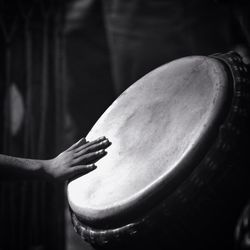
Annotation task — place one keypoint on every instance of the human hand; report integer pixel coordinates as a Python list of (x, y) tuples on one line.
[(77, 160)]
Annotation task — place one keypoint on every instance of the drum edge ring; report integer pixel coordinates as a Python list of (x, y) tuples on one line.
[(229, 133)]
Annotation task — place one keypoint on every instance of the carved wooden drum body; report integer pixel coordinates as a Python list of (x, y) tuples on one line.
[(175, 172)]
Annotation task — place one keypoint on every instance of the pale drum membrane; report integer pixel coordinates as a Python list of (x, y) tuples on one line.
[(155, 126)]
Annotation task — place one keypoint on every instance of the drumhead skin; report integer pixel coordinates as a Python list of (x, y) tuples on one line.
[(160, 128)]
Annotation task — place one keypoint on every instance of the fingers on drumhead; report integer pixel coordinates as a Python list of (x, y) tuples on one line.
[(93, 147), (93, 156), (80, 170), (84, 169), (98, 140)]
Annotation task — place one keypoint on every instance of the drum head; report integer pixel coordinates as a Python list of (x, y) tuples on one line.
[(160, 128)]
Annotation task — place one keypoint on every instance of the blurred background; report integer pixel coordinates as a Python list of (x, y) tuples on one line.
[(63, 62)]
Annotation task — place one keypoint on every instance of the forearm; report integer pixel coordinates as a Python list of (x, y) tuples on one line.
[(10, 165), (77, 160)]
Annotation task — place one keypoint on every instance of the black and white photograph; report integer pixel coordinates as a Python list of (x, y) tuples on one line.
[(124, 124)]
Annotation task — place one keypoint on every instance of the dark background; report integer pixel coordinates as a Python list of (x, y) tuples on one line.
[(63, 63)]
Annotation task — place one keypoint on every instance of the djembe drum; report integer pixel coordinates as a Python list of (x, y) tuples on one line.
[(176, 174)]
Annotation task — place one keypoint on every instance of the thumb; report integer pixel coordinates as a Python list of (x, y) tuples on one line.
[(78, 143)]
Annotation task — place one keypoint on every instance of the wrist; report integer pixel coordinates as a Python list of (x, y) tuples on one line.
[(44, 167)]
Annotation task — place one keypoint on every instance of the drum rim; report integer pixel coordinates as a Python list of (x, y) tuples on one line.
[(102, 237), (192, 157)]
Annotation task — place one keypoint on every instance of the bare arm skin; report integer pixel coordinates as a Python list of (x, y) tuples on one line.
[(77, 160)]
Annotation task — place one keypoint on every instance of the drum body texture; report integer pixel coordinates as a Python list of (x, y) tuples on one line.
[(176, 173), (242, 230)]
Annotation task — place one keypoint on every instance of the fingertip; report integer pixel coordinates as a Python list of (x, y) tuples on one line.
[(101, 138), (101, 152), (105, 143), (78, 143), (91, 166), (83, 140), (104, 153)]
